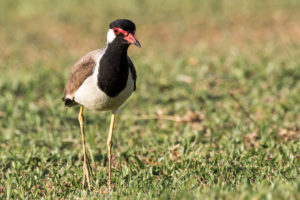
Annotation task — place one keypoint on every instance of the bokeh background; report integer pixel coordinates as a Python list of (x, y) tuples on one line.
[(215, 114)]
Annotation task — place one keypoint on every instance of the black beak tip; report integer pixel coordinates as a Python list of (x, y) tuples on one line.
[(137, 43)]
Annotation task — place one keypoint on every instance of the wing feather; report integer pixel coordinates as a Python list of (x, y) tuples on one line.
[(80, 72), (133, 72)]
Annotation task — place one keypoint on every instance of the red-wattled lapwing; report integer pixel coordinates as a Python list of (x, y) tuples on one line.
[(102, 80)]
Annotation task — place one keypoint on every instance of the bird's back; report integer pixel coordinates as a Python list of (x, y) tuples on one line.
[(82, 69)]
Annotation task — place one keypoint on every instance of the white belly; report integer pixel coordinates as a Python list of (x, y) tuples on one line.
[(90, 96)]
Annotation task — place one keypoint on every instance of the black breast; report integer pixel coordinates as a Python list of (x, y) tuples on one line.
[(114, 69)]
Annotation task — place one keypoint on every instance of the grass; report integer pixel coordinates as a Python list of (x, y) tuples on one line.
[(215, 114)]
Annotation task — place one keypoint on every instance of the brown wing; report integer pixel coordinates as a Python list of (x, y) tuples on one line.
[(133, 72), (80, 72)]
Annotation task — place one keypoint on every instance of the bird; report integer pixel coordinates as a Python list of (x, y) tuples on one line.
[(101, 81)]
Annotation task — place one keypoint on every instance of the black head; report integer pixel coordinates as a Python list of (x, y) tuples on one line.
[(124, 24), (124, 31)]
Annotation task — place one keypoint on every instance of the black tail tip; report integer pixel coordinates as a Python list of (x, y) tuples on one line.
[(68, 102)]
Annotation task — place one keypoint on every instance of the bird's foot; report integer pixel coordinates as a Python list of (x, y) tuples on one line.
[(86, 175)]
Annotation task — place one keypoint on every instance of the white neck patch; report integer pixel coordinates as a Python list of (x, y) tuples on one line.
[(110, 36)]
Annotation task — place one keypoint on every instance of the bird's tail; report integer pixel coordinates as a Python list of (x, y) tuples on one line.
[(68, 102)]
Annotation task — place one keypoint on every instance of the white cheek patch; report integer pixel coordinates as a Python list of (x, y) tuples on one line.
[(110, 36)]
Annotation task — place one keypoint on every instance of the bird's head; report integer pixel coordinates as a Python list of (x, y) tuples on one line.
[(124, 30)]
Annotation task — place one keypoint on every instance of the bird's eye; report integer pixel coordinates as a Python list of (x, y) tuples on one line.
[(116, 31)]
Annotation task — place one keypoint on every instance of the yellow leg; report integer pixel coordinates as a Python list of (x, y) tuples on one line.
[(109, 143), (86, 171)]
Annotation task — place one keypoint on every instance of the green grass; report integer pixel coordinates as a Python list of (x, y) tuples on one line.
[(215, 114)]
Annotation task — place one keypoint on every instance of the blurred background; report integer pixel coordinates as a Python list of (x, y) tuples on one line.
[(216, 76), (36, 32)]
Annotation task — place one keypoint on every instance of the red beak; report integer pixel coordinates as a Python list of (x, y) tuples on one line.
[(132, 40)]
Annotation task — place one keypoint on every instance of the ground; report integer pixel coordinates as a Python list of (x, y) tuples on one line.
[(215, 114)]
